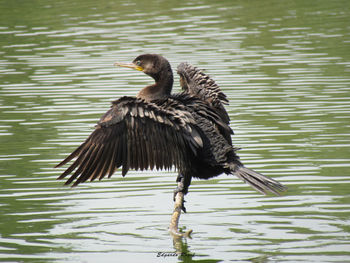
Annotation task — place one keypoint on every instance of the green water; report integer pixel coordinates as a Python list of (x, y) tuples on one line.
[(285, 66)]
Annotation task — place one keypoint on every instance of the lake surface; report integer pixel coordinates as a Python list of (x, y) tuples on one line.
[(285, 67)]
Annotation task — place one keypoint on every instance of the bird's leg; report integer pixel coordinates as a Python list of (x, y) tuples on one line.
[(182, 187), (179, 193)]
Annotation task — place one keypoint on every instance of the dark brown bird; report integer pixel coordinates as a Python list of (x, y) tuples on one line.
[(156, 129)]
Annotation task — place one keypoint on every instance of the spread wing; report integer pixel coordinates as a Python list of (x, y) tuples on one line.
[(134, 134), (197, 83)]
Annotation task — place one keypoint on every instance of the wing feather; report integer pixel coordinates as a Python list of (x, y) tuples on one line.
[(195, 82), (135, 134), (198, 83), (94, 167), (114, 162)]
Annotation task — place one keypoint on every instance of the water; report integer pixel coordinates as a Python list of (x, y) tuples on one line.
[(285, 66)]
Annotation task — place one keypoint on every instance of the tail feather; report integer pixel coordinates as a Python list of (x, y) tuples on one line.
[(259, 182)]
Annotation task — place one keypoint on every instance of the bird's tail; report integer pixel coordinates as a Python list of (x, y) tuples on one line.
[(259, 182)]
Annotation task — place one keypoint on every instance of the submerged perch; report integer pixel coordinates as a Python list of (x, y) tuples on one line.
[(159, 130)]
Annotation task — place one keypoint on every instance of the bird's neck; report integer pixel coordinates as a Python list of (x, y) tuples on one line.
[(161, 89)]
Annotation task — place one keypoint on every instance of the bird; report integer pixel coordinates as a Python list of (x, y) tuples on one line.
[(187, 131)]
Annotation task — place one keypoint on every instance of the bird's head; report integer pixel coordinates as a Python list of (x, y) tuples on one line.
[(153, 65)]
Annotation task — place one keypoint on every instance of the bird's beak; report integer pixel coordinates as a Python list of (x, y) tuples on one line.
[(128, 65)]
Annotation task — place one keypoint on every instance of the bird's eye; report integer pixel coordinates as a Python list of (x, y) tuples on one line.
[(138, 62)]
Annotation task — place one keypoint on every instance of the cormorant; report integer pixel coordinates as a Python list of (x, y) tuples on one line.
[(156, 129)]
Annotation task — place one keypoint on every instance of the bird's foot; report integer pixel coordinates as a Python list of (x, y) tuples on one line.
[(180, 189), (176, 191)]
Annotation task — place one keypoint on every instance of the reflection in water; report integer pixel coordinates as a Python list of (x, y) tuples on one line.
[(285, 68), (182, 250)]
